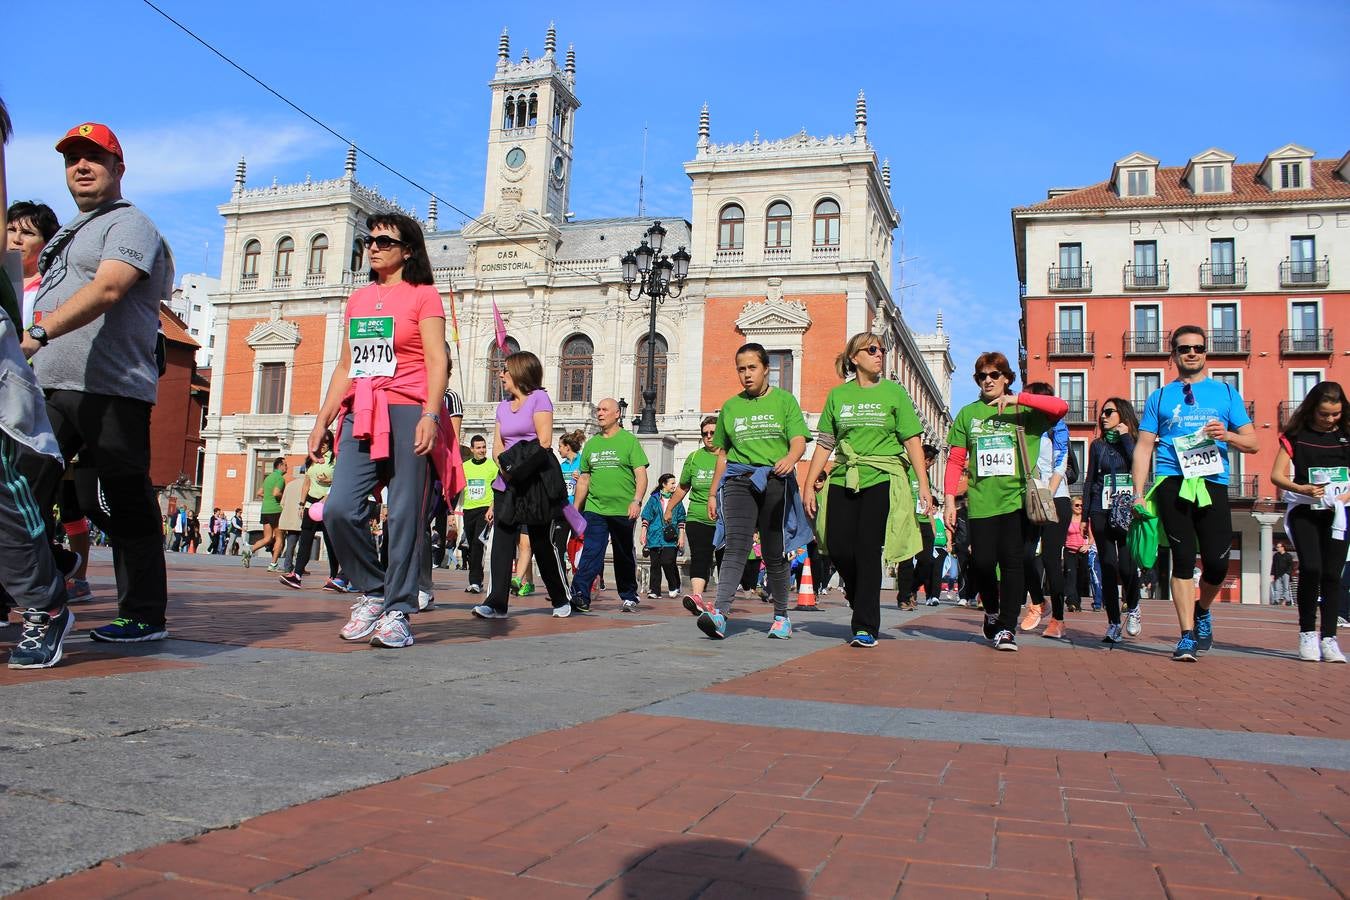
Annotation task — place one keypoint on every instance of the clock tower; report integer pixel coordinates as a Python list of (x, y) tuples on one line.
[(530, 135)]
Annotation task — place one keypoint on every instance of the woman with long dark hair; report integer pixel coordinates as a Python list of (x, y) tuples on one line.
[(1109, 463), (387, 391), (1312, 466), (663, 538)]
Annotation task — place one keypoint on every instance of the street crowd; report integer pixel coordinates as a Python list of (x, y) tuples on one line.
[(385, 476)]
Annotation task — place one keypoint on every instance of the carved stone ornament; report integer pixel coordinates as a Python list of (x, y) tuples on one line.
[(774, 316), (274, 333)]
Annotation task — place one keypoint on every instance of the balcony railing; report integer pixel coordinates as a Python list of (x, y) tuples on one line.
[(1081, 412), (825, 251), (1071, 343), (1145, 277), (1222, 342), (1146, 343), (314, 279), (729, 256), (1223, 276), (1244, 487), (777, 254), (1312, 341), (1071, 279), (248, 282), (1305, 272), (1286, 410), (281, 281)]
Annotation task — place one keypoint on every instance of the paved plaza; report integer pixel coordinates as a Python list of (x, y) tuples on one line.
[(617, 755)]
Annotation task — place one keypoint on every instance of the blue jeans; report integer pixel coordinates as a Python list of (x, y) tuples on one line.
[(617, 531)]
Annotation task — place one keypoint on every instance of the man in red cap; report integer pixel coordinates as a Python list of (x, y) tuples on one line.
[(93, 349)]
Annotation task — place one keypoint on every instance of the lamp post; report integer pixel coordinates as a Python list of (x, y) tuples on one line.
[(623, 411), (647, 272)]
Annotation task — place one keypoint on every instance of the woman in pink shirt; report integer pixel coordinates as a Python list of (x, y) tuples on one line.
[(1076, 543), (388, 388)]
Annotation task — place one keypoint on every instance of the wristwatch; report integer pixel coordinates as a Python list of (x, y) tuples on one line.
[(39, 334)]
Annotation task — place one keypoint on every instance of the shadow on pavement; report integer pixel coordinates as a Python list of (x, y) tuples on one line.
[(708, 867)]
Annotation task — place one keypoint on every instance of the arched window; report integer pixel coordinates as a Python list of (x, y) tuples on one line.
[(318, 251), (534, 111), (574, 382), (509, 116), (778, 232), (285, 250), (521, 106), (496, 362), (358, 255), (252, 253), (659, 372), (827, 224), (731, 228)]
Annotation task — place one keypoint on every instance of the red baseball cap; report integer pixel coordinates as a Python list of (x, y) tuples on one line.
[(94, 133)]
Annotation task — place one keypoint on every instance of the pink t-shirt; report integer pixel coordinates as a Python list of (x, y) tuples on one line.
[(518, 425), (408, 305), (1074, 539)]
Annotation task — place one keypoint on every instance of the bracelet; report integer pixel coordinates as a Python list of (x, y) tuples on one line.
[(432, 416)]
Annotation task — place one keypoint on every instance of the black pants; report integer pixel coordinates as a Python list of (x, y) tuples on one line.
[(111, 435), (1075, 574), (502, 557), (923, 565), (1189, 528), (1120, 576), (663, 561), (855, 533), (1320, 560), (998, 558), (475, 520), (744, 510), (304, 552), (1052, 555), (700, 537), (617, 531)]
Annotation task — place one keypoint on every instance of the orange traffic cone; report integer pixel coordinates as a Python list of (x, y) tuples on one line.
[(806, 593)]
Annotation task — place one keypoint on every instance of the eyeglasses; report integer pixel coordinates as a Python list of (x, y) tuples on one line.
[(709, 433), (988, 376), (874, 350), (382, 242), (1187, 394), (1109, 411), (1188, 349)]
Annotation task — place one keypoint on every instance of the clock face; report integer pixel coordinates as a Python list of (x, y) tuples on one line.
[(558, 167), (515, 158)]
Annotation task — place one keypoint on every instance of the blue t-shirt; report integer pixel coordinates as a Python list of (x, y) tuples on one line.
[(571, 471), (1169, 416)]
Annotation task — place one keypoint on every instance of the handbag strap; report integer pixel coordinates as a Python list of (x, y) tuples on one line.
[(1022, 449)]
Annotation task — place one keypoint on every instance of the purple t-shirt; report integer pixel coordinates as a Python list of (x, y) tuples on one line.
[(518, 425)]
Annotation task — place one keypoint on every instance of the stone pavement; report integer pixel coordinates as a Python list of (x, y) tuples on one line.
[(627, 756)]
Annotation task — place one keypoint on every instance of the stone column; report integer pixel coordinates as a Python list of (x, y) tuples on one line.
[(1267, 521)]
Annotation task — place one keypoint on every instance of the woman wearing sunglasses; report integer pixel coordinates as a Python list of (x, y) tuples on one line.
[(868, 515), (1110, 461), (695, 481), (387, 390), (985, 435)]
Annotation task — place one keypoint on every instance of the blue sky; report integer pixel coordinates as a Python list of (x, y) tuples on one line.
[(979, 106)]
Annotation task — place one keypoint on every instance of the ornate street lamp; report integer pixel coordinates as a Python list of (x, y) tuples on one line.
[(647, 272)]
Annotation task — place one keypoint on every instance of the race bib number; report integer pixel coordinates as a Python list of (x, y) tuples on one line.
[(995, 455), (1115, 484), (1198, 455), (476, 489), (372, 343), (1335, 480)]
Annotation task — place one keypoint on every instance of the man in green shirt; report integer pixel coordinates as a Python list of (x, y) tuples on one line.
[(610, 493), (273, 486), (479, 473)]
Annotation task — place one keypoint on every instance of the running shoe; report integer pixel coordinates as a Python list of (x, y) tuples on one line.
[(246, 557), (366, 613), (1309, 646), (1031, 618), (1342, 622), (474, 589), (1331, 651), (932, 601), (526, 589), (1054, 630), (696, 604), (562, 612), (1134, 622), (273, 567), (673, 594), (1185, 651), (1112, 635), (713, 624), (425, 601), (515, 585), (991, 628), (781, 628), (40, 643), (290, 579), (862, 639), (1204, 631), (579, 605), (483, 611), (392, 631), (653, 595), (128, 631), (961, 601), (78, 591), (336, 585), (630, 606), (1005, 640)]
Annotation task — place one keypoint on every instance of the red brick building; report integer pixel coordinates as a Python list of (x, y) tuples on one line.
[(176, 423)]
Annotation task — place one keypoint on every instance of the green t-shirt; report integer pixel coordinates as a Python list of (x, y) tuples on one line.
[(876, 421), (997, 482), (612, 462), (697, 476), (276, 481), (478, 478), (315, 471), (756, 430)]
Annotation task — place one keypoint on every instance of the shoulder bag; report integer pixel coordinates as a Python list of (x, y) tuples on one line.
[(1039, 505)]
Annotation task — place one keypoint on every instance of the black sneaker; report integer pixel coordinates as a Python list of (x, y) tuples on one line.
[(128, 631), (1005, 640), (990, 626), (39, 646), (1204, 631), (290, 579)]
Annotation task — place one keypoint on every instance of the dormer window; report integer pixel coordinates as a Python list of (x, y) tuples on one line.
[(1291, 175), (1137, 183), (1213, 179), (1135, 176), (1287, 169), (1210, 172)]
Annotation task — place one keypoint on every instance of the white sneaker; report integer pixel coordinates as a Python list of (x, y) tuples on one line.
[(1331, 651), (1134, 622), (392, 631), (932, 601), (960, 601), (474, 589), (673, 594), (425, 601), (1342, 622), (486, 612), (630, 606), (653, 595), (562, 612), (365, 613), (1309, 649)]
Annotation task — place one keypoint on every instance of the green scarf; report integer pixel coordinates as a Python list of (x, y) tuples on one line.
[(903, 540)]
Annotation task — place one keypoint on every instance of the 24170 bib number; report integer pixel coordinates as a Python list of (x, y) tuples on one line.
[(372, 345)]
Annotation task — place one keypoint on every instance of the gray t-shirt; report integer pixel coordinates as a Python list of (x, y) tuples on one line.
[(115, 353)]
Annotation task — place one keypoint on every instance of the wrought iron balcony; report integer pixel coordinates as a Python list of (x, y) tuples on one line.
[(1223, 276), (1244, 488), (1071, 279), (1145, 277), (1223, 342), (1081, 412), (1146, 343), (1312, 341), (1286, 411), (1305, 272), (1070, 343)]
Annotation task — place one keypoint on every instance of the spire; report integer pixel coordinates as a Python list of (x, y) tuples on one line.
[(525, 55), (860, 116), (703, 128), (240, 171), (431, 215), (503, 47), (571, 61), (550, 40), (886, 174), (349, 170), (939, 322)]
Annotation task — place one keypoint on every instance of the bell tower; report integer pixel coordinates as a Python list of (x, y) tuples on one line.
[(530, 133)]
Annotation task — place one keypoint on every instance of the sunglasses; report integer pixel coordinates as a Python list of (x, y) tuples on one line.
[(709, 433), (874, 350), (1187, 394), (1109, 411), (988, 376), (1188, 349), (382, 242)]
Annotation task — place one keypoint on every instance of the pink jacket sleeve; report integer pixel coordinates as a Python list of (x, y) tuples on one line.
[(1053, 407), (956, 462)]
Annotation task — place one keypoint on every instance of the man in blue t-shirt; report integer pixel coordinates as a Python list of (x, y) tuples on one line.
[(1192, 422)]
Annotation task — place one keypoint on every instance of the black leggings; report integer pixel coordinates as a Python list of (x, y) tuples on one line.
[(998, 551), (700, 537), (663, 561), (1052, 556), (922, 571), (1320, 560), (1189, 527), (1119, 573), (855, 530)]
